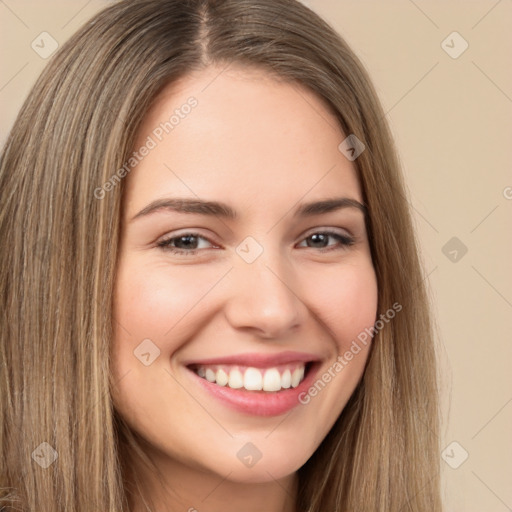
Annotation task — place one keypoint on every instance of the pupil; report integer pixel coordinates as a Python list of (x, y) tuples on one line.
[(319, 237), (190, 239)]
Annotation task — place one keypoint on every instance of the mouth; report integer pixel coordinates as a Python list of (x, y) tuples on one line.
[(249, 378), (258, 385)]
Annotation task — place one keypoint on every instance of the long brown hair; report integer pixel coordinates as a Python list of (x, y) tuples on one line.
[(59, 251)]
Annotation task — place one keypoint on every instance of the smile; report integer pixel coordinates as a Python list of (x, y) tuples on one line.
[(254, 379), (255, 384)]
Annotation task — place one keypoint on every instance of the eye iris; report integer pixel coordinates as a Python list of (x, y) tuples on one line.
[(191, 240), (321, 238)]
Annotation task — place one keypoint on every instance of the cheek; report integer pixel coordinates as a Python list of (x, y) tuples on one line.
[(346, 301), (157, 310), (153, 311), (157, 302)]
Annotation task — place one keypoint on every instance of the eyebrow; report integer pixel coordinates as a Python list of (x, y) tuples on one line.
[(218, 209)]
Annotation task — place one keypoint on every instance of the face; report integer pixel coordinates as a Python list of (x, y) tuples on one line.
[(237, 291)]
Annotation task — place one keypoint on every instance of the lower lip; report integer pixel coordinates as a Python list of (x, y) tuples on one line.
[(259, 403)]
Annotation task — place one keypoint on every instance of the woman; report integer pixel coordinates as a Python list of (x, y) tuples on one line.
[(179, 332)]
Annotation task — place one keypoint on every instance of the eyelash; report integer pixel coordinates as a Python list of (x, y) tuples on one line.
[(345, 241)]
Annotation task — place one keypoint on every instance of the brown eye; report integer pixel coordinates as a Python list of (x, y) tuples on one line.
[(186, 244)]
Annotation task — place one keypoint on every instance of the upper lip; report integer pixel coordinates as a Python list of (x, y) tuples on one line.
[(257, 360)]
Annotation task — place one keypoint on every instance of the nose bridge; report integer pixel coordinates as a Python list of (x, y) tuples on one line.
[(262, 295)]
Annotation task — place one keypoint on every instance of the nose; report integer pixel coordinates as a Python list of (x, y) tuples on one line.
[(263, 298)]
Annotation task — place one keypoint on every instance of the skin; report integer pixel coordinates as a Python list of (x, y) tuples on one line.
[(262, 146)]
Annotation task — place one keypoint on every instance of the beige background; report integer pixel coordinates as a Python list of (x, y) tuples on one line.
[(452, 121)]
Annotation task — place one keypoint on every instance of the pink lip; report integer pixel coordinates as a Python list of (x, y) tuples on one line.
[(257, 403), (257, 360)]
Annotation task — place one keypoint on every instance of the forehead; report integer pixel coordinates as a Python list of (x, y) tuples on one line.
[(240, 134)]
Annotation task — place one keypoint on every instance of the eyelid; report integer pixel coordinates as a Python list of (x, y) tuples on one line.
[(161, 242), (327, 229), (199, 232)]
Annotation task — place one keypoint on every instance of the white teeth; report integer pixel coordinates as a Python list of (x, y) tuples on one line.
[(272, 380), (254, 379), (297, 376), (236, 379), (221, 377), (286, 379)]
